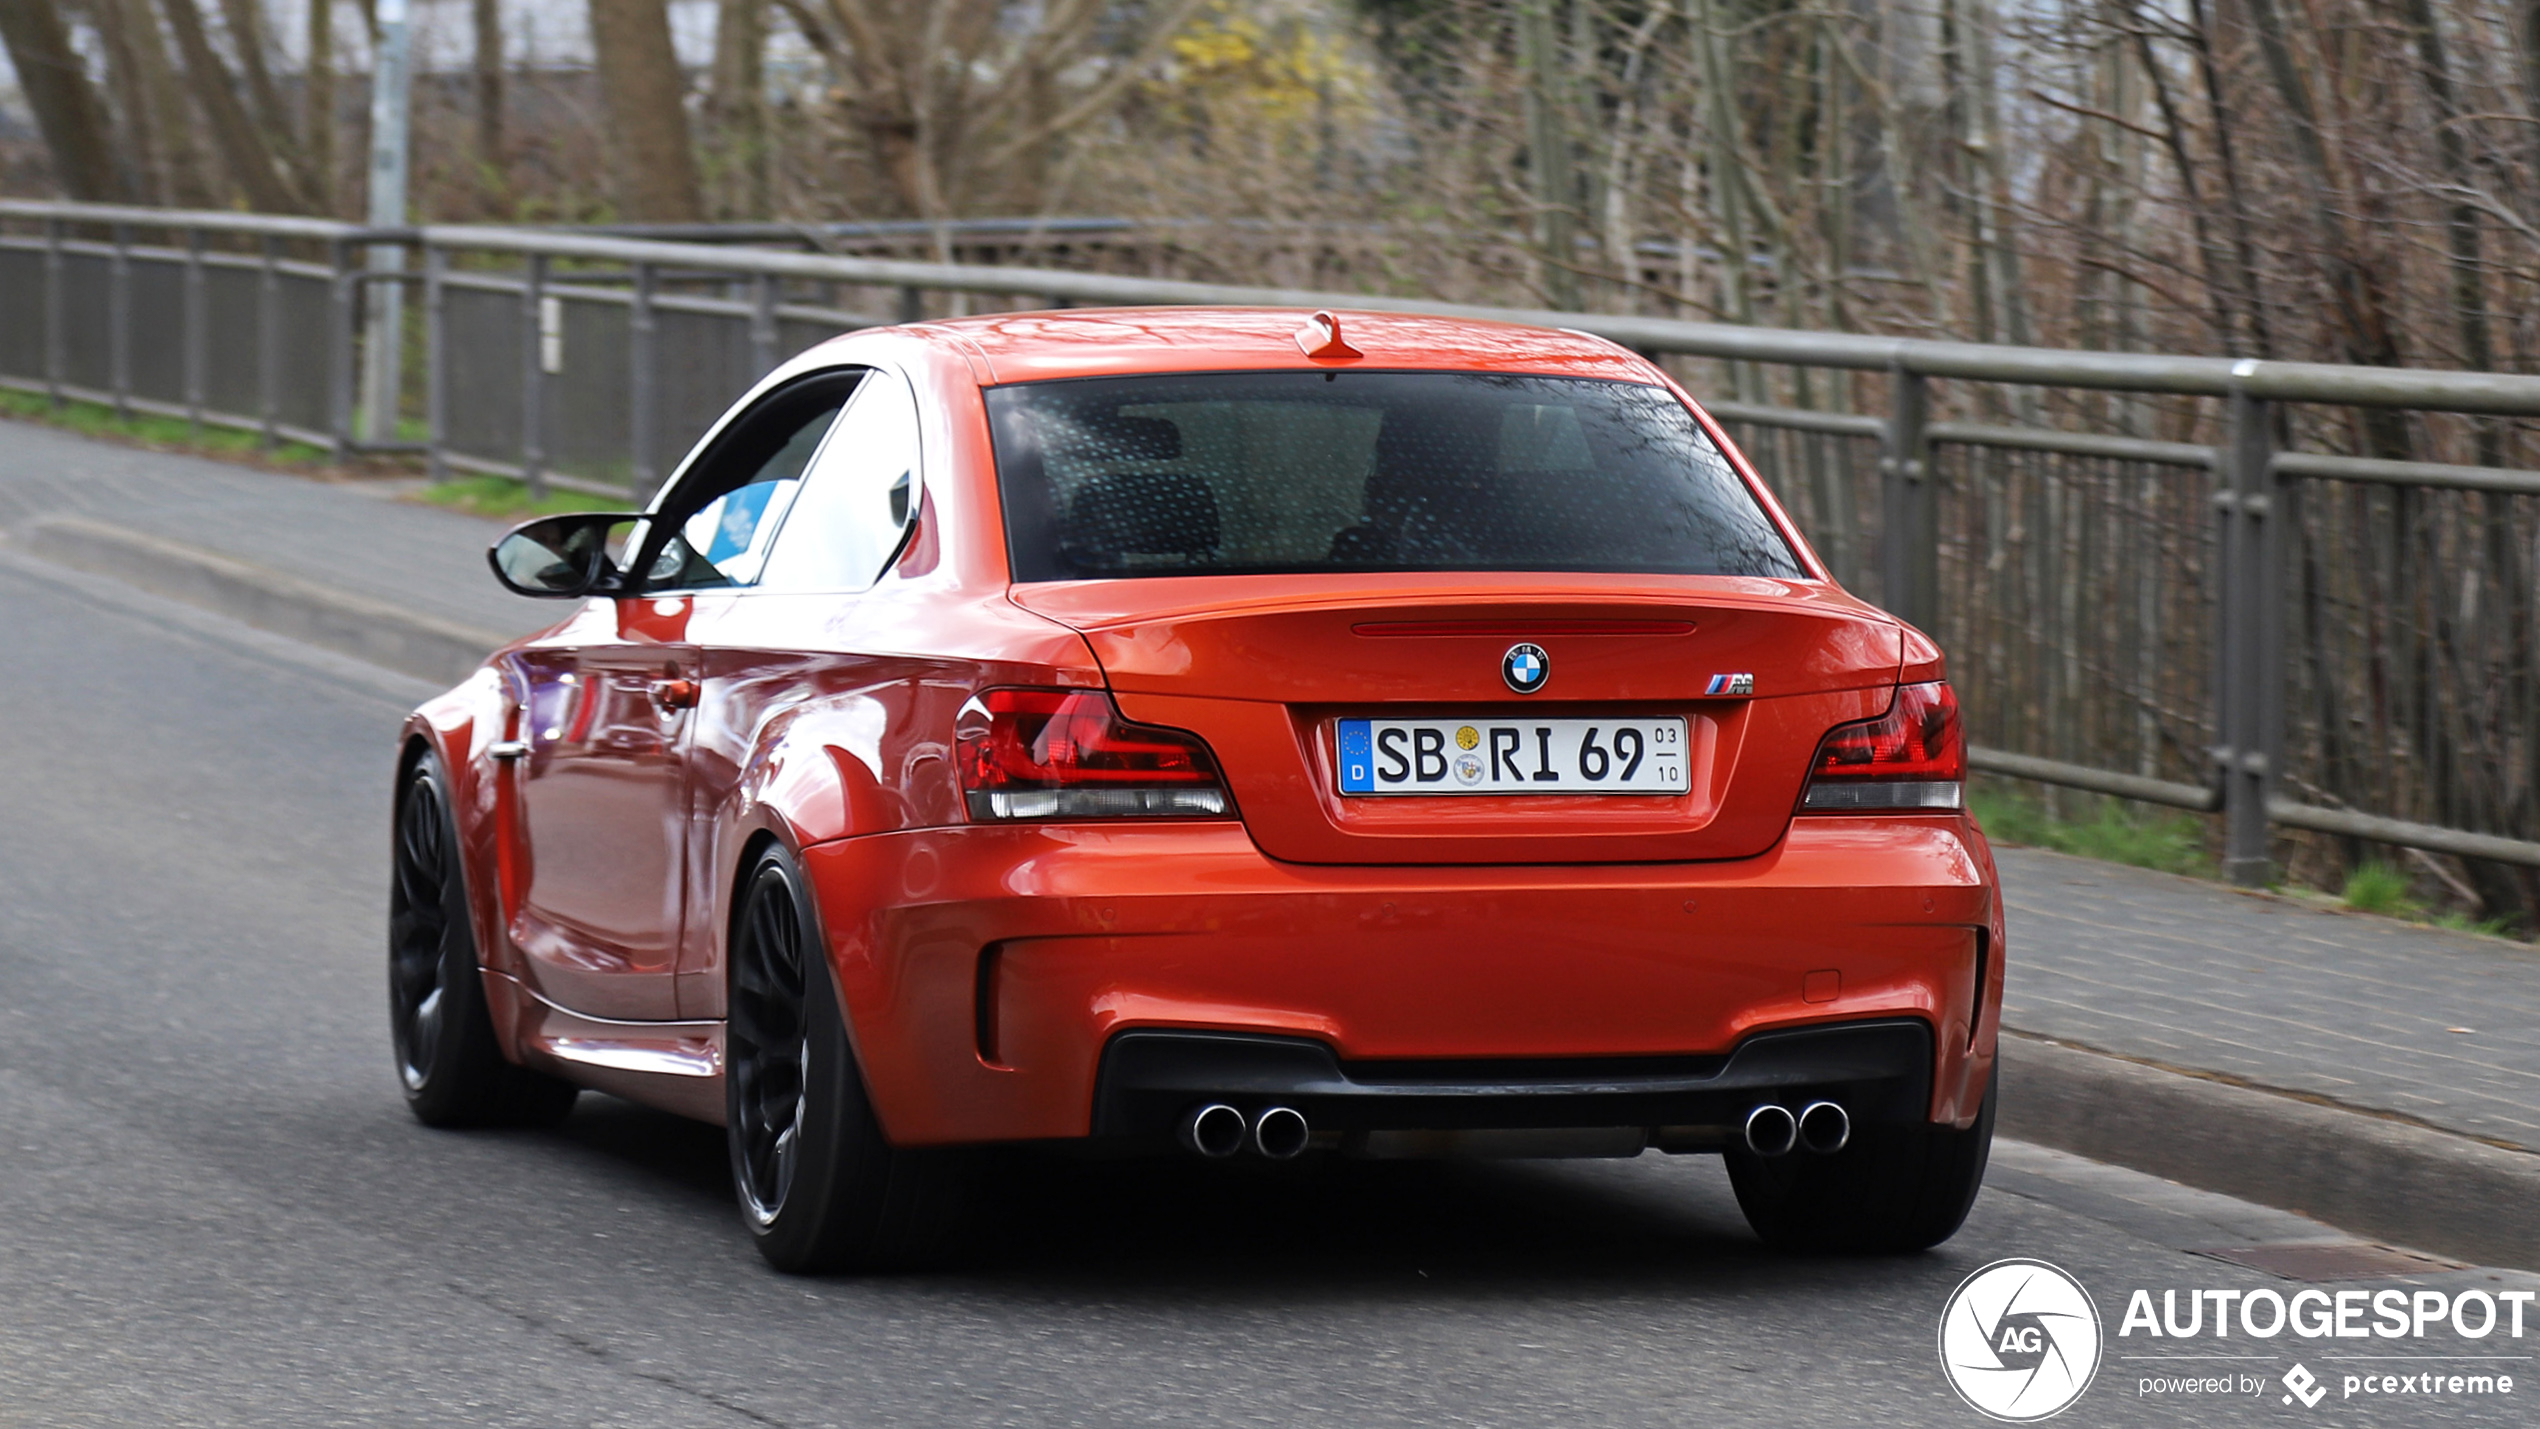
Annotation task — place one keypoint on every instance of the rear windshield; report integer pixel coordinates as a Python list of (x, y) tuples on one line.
[(1238, 472)]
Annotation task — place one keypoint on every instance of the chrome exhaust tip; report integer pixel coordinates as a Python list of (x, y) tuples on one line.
[(1771, 1130), (1825, 1128), (1279, 1133), (1215, 1131)]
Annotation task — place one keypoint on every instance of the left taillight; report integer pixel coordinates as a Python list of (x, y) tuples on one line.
[(1068, 754), (1912, 757)]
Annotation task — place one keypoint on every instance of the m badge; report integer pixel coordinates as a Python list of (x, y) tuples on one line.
[(1738, 684)]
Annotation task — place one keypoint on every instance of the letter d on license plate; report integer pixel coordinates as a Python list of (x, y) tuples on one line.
[(1513, 756)]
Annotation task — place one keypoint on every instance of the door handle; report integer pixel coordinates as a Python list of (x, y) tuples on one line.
[(508, 749), (675, 694)]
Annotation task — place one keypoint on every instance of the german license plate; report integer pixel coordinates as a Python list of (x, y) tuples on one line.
[(1513, 756)]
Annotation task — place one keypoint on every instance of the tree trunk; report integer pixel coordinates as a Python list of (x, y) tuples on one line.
[(317, 104), (738, 108), (68, 110), (641, 89), (489, 94), (1548, 159), (249, 158), (246, 22), (2361, 316), (159, 121)]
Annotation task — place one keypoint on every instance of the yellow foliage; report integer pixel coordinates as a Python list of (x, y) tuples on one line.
[(1239, 68)]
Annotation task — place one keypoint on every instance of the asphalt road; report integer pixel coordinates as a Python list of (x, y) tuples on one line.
[(215, 1210)]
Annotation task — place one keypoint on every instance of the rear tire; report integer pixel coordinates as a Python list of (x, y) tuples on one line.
[(448, 1059), (821, 1189), (1892, 1190)]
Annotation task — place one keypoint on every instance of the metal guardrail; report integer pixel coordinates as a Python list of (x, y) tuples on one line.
[(494, 334)]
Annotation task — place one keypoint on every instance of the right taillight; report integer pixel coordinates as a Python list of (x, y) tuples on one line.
[(1912, 757), (1068, 754)]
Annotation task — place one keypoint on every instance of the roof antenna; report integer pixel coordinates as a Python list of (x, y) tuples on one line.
[(1321, 340)]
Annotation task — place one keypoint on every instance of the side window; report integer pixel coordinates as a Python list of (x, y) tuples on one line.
[(858, 499), (731, 505)]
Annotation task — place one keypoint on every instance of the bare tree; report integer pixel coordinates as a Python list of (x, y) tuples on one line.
[(157, 123), (68, 110), (643, 92), (245, 149), (950, 96)]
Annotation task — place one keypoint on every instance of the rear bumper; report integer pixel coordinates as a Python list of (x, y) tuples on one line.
[(1880, 1072), (987, 971)]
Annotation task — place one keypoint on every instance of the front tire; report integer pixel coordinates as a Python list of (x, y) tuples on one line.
[(821, 1188), (452, 1067), (1891, 1191)]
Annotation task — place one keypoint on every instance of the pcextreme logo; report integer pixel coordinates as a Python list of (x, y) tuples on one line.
[(2020, 1340)]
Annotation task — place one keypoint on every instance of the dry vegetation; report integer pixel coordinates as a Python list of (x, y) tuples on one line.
[(2338, 180), (2352, 180)]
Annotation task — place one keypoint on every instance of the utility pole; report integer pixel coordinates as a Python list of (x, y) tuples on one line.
[(391, 92)]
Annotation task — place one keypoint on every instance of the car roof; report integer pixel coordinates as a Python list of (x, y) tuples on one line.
[(1098, 342)]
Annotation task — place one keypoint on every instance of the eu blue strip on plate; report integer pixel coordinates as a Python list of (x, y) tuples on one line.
[(1358, 772)]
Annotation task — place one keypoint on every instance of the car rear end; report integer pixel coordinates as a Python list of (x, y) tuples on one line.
[(1477, 763)]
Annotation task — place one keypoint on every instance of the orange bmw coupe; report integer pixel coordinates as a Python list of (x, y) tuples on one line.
[(1249, 732)]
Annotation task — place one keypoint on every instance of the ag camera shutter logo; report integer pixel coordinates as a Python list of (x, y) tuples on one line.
[(2020, 1340)]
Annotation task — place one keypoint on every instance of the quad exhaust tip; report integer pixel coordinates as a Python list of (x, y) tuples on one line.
[(1279, 1133), (1824, 1128), (1217, 1131), (1771, 1130), (1214, 1130)]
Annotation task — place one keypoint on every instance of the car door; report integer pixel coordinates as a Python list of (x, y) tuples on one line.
[(611, 713), (801, 644)]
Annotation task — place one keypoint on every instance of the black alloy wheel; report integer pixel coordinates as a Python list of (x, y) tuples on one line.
[(452, 1067), (765, 1046), (821, 1188)]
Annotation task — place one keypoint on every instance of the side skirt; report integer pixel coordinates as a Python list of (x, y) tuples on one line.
[(674, 1066)]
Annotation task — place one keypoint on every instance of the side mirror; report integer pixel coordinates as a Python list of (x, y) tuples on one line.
[(558, 557)]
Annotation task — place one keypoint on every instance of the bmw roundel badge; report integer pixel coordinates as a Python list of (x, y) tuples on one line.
[(1525, 668)]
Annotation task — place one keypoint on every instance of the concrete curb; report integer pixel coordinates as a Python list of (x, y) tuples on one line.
[(402, 640), (2372, 1175)]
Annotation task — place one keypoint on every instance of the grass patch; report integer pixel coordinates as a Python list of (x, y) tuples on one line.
[(2115, 831), (2384, 889), (97, 419), (2460, 922), (502, 496), (2380, 888)]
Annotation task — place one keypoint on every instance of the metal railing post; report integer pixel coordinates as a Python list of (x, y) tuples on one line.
[(762, 326), (269, 342), (56, 333), (344, 307), (2249, 679), (198, 341), (640, 383), (533, 375), (1909, 554), (119, 322), (912, 304), (436, 360)]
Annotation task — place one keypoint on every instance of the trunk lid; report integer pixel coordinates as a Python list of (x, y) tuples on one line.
[(1266, 668)]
